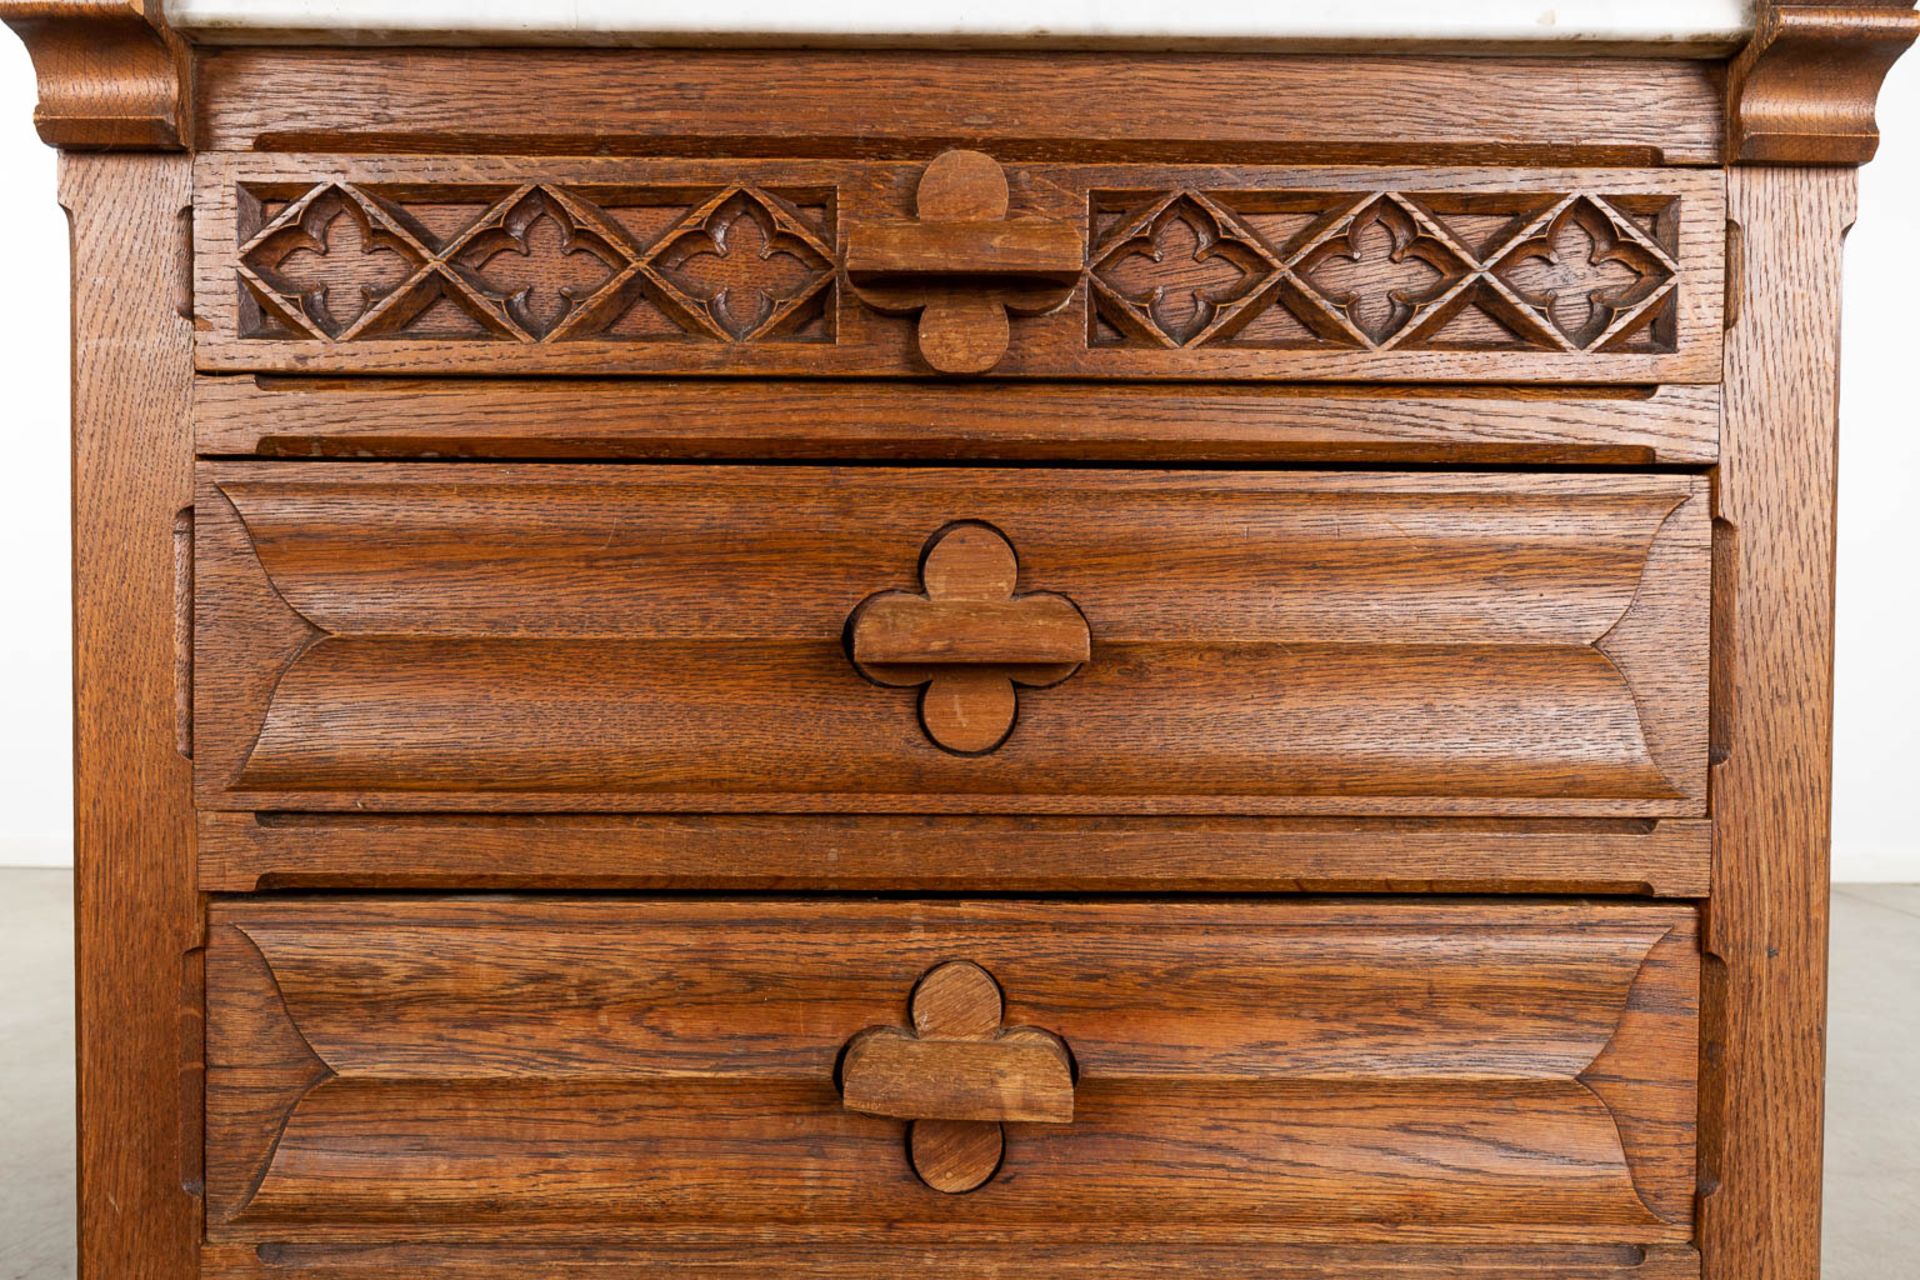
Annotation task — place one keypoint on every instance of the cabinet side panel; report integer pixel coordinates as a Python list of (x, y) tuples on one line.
[(1772, 791), (135, 908)]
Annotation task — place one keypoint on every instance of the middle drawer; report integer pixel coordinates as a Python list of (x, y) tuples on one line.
[(818, 639)]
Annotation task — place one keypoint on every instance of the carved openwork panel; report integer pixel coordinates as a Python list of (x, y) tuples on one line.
[(542, 263), (960, 266), (1379, 271)]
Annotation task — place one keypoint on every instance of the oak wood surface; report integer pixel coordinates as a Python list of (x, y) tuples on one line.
[(1765, 1044), (247, 852), (111, 75), (515, 265), (136, 913), (964, 264), (854, 1254), (1199, 108), (673, 639), (342, 418), (1804, 89), (1415, 1071)]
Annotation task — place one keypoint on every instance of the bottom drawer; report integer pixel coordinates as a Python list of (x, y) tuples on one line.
[(605, 1087)]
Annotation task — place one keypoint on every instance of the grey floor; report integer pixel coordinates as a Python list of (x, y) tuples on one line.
[(1873, 1128)]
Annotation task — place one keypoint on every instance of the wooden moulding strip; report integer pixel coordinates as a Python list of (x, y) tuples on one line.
[(1198, 108), (297, 417), (243, 852)]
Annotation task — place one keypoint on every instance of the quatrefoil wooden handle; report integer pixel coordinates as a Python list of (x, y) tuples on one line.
[(957, 1076), (969, 640), (965, 263)]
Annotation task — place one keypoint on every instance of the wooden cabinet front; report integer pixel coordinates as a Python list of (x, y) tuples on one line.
[(805, 639), (499, 1086), (858, 538), (961, 265)]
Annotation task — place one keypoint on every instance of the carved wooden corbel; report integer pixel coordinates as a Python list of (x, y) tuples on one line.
[(1803, 91), (112, 76)]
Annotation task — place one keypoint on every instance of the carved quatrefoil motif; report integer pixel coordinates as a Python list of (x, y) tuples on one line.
[(1581, 272), (744, 264), (538, 264), (540, 260), (1183, 271), (1383, 270), (331, 261), (957, 1076), (969, 640)]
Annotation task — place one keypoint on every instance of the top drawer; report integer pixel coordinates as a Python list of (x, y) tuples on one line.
[(958, 266)]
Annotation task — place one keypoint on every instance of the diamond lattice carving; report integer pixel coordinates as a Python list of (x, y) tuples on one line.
[(1583, 271), (1380, 271), (543, 263), (541, 258), (1382, 268), (1296, 268), (1182, 270), (742, 266), (328, 262)]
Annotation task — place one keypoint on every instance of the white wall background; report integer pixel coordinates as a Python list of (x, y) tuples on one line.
[(36, 666), (1878, 748), (1877, 720)]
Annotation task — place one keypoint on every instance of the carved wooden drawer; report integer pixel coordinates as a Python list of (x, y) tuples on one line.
[(799, 639), (958, 266), (495, 1087)]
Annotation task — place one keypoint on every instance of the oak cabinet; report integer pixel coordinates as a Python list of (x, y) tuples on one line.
[(1208, 655)]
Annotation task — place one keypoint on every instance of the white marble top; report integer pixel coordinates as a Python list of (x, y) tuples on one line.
[(1690, 26)]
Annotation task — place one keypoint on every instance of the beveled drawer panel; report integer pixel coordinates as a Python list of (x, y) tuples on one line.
[(810, 639), (1465, 1082), (961, 265)]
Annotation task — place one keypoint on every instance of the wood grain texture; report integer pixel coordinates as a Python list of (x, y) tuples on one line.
[(136, 914), (1804, 89), (246, 852), (958, 1062), (1194, 108), (111, 75), (1441, 1072), (963, 264), (959, 1074), (514, 265), (293, 417), (854, 1254), (971, 638), (673, 638), (463, 679), (1764, 1054)]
